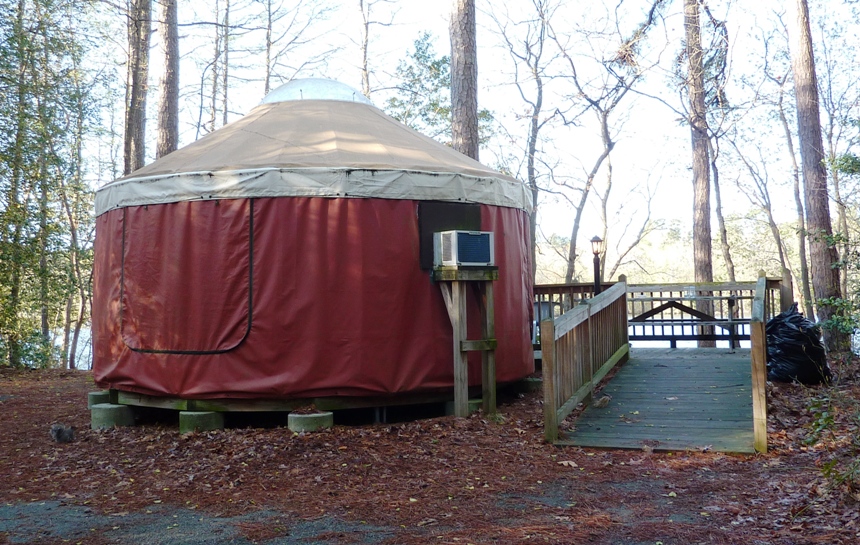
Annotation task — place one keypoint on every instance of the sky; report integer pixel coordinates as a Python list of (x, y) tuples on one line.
[(652, 153)]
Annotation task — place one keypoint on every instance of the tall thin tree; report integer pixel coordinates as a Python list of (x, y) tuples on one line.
[(464, 78), (168, 101), (703, 269), (139, 28), (702, 261), (823, 256)]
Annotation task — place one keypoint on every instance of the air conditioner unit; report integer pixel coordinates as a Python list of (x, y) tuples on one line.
[(463, 248)]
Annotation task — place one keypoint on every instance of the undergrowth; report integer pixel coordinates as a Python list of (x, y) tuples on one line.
[(835, 430)]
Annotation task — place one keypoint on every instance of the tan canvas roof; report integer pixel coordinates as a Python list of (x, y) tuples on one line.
[(314, 148)]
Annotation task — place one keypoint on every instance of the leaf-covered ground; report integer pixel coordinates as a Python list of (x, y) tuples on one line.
[(439, 480)]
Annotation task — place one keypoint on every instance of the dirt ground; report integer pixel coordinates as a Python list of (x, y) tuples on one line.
[(438, 480)]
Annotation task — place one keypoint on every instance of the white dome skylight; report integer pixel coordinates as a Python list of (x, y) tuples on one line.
[(315, 89)]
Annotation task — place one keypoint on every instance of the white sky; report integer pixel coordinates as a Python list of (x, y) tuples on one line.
[(653, 148)]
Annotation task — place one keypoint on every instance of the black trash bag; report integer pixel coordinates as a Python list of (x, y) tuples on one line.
[(794, 349)]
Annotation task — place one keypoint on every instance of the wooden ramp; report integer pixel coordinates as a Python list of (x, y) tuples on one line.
[(673, 399)]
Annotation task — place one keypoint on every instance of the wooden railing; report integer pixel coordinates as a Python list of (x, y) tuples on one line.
[(591, 336), (758, 357), (696, 312), (676, 312), (579, 348)]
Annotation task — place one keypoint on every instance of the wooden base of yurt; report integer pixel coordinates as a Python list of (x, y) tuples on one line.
[(275, 405), (117, 408)]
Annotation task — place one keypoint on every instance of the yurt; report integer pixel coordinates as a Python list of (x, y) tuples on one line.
[(287, 255)]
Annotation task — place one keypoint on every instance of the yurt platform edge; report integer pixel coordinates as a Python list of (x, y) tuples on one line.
[(275, 405)]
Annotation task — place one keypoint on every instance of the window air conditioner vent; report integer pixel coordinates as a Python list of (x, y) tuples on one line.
[(463, 248)]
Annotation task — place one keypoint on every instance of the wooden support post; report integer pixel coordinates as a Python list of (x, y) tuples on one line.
[(759, 380), (758, 355), (488, 356), (461, 362), (733, 329), (786, 291), (550, 410), (452, 282)]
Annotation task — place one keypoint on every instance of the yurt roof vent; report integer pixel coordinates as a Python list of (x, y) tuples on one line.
[(315, 89)]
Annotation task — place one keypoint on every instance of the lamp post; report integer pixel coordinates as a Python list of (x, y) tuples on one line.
[(596, 248)]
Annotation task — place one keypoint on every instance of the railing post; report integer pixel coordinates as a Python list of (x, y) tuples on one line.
[(733, 329), (758, 353), (592, 341), (786, 291), (550, 404)]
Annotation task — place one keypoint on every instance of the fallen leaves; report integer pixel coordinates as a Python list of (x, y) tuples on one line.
[(464, 477)]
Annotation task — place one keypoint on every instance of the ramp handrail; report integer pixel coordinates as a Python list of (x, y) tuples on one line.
[(579, 348)]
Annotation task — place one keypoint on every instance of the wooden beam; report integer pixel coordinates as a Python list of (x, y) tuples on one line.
[(682, 287), (246, 405), (700, 298), (569, 405), (445, 288), (620, 356), (569, 320), (478, 346), (461, 274), (676, 305), (607, 297), (158, 402)]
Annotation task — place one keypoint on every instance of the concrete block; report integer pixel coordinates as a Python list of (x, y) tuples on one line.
[(108, 415), (95, 398), (200, 421), (310, 422), (474, 405)]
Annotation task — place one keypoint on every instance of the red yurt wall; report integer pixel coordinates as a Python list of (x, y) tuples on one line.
[(289, 298)]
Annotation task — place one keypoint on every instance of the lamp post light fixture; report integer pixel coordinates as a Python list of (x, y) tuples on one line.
[(596, 248)]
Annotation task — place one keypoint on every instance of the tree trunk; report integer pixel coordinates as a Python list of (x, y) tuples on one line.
[(15, 214), (76, 335), (267, 86), (721, 221), (45, 329), (531, 171), (825, 278), (464, 78), (699, 136), (168, 103), (798, 201), (139, 24), (702, 263), (67, 326), (365, 39), (604, 217), (608, 145), (216, 67), (226, 71), (841, 213)]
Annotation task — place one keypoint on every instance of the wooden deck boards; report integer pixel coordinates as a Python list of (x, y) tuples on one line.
[(673, 399)]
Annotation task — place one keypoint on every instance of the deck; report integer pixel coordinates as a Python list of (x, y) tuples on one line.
[(673, 399)]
